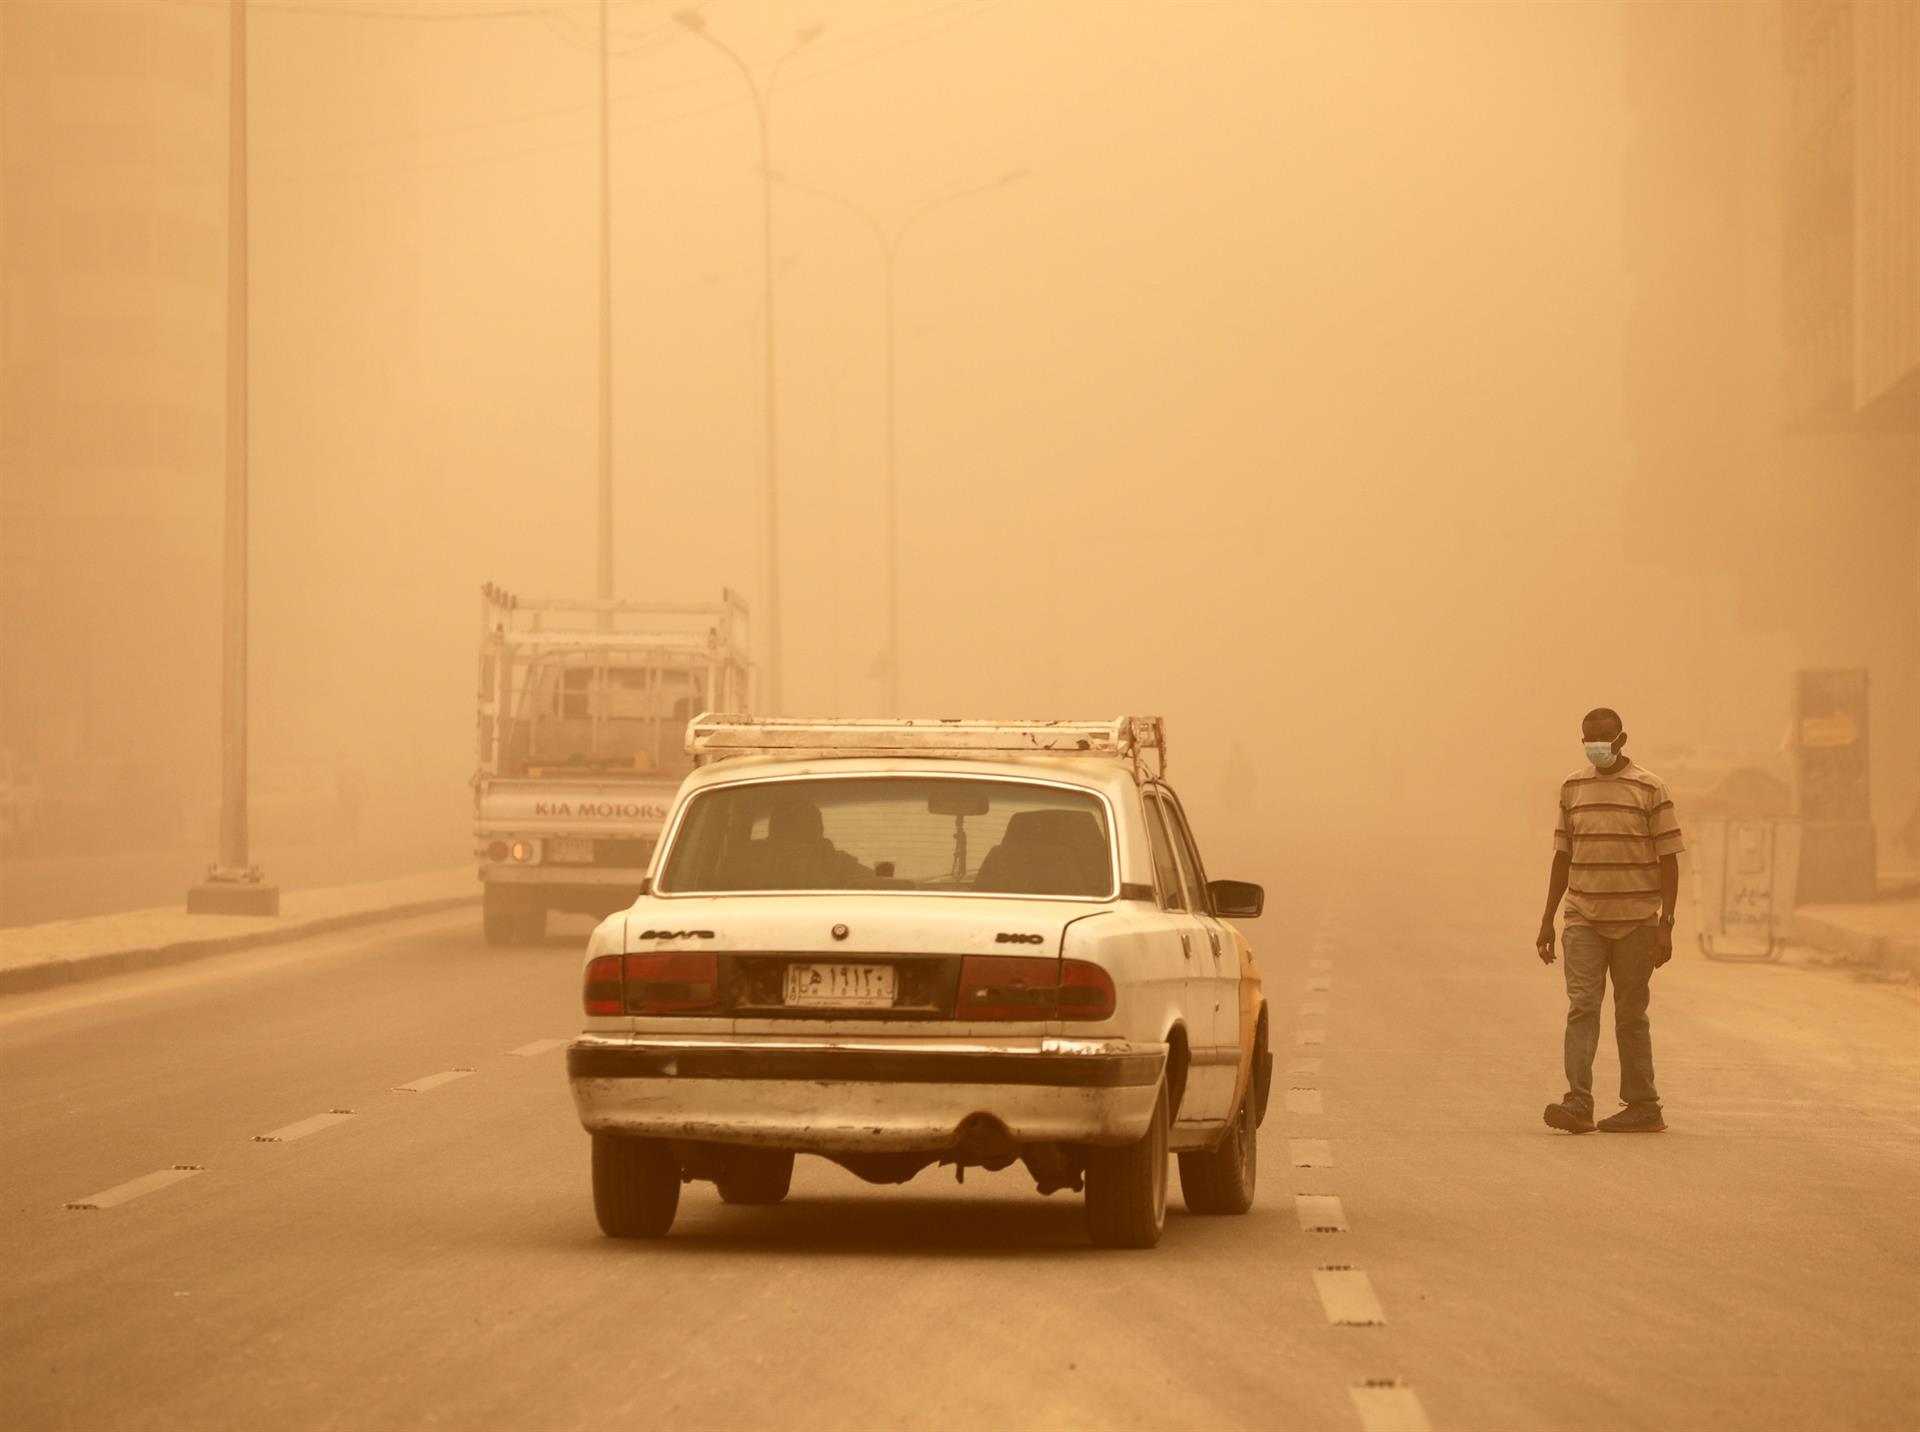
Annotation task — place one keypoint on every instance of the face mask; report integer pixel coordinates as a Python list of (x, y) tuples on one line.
[(1600, 753)]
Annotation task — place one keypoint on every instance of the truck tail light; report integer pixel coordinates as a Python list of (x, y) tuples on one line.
[(603, 993), (1031, 987), (676, 983), (496, 850)]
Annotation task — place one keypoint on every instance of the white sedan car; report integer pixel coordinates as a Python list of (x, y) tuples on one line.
[(905, 944)]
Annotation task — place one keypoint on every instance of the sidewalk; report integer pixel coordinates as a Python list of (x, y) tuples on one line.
[(1883, 932), (39, 956)]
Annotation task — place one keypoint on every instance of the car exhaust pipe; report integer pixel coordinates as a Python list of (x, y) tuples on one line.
[(984, 1140)]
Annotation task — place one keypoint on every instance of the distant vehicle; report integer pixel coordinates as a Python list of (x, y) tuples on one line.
[(19, 805), (582, 705), (913, 943)]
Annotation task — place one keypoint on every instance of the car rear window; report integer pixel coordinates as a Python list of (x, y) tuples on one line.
[(946, 834)]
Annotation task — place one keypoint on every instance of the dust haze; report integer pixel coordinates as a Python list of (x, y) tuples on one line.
[(1369, 389)]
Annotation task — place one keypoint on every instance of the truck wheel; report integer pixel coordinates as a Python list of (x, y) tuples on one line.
[(499, 921), (1127, 1187), (636, 1186), (1221, 1180), (757, 1176)]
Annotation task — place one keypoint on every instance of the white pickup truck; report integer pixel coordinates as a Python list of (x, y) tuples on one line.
[(896, 944), (581, 709)]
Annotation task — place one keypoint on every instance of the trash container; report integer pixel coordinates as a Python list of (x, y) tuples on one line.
[(1744, 872)]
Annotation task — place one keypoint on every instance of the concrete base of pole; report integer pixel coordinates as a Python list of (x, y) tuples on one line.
[(233, 897)]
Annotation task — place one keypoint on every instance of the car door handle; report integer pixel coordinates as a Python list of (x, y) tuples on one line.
[(1186, 945), (1213, 936)]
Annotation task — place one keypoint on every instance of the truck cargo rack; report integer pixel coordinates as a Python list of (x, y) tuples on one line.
[(717, 735)]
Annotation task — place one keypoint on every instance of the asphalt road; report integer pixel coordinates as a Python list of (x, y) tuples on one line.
[(431, 1259)]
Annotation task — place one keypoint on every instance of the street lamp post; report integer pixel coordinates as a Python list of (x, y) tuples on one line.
[(890, 253), (696, 23), (233, 886), (603, 565)]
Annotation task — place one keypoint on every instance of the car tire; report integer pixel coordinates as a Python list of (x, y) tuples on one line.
[(1221, 1179), (757, 1176), (636, 1186), (1127, 1187)]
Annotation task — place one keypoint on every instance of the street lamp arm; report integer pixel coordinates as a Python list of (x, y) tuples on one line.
[(934, 205), (733, 55), (873, 224)]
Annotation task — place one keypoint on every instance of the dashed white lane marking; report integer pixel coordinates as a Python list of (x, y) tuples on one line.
[(1320, 1213), (304, 1127), (539, 1046), (1347, 1295), (1310, 1036), (1303, 1066), (1319, 964), (431, 1081), (1388, 1406), (1313, 1007), (1309, 1153), (1304, 1101), (133, 1188), (1319, 981)]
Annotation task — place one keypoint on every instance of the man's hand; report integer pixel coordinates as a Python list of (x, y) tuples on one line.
[(1543, 946), (1662, 944)]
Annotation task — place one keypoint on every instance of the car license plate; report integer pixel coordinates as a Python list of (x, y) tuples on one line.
[(570, 850), (841, 986)]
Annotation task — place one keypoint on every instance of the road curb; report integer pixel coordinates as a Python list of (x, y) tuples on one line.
[(49, 974), (1855, 946)]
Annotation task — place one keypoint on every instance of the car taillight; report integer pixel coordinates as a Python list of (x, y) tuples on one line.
[(497, 850), (672, 983), (604, 994), (1086, 991), (1032, 988)]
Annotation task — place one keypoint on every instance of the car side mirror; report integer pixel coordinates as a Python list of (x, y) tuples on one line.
[(1237, 897)]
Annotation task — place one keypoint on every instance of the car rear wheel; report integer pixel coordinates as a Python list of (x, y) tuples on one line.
[(636, 1186), (757, 1176), (1221, 1180), (1127, 1187)]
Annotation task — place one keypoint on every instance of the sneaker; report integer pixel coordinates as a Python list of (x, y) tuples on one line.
[(1565, 1116), (1634, 1119)]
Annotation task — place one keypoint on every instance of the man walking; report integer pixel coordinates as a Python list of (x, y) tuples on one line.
[(1616, 852)]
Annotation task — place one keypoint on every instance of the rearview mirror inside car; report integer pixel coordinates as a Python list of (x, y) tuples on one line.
[(957, 802), (1237, 897)]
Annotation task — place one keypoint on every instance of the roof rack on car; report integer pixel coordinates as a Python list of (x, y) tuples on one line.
[(714, 735)]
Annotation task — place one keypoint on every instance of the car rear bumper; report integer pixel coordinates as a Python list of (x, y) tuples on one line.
[(866, 1095)]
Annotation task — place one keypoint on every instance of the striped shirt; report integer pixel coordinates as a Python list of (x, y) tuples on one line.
[(1616, 825)]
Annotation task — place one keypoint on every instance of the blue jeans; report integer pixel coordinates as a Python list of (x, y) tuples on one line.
[(1588, 957)]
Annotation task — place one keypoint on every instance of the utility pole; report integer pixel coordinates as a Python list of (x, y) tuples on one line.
[(604, 565), (695, 22), (233, 885), (889, 242)]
